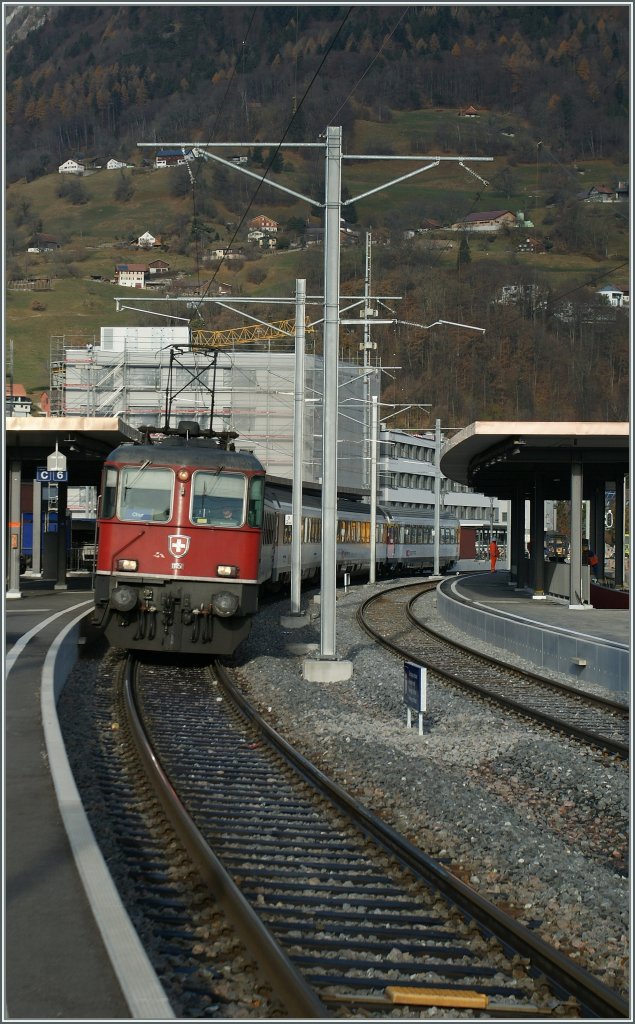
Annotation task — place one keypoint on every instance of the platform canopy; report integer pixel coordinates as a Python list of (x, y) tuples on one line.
[(84, 440), (496, 458)]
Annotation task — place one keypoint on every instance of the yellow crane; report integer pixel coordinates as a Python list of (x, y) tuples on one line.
[(243, 335)]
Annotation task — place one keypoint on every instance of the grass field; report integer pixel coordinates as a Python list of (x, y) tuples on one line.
[(95, 235)]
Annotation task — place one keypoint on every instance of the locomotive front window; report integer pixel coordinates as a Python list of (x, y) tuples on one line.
[(145, 494), (218, 499)]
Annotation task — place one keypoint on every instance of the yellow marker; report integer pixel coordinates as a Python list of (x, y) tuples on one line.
[(436, 997)]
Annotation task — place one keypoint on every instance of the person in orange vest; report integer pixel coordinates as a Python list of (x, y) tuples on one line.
[(493, 554)]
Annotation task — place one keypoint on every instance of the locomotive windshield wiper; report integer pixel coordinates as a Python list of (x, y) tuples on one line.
[(143, 466)]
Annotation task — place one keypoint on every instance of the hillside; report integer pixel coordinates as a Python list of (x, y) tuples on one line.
[(398, 80)]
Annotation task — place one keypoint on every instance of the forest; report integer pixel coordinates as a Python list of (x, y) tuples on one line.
[(551, 83), (96, 78)]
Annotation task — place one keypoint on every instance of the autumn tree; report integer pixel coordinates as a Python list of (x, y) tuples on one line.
[(124, 189)]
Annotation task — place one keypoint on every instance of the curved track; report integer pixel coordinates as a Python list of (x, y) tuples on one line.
[(339, 909), (390, 618)]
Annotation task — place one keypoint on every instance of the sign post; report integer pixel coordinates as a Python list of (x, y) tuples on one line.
[(415, 691), (51, 476)]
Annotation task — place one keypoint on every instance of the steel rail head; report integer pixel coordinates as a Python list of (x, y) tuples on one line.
[(562, 972), (289, 984)]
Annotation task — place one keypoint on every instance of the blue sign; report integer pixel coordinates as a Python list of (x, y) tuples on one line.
[(414, 687), (52, 476)]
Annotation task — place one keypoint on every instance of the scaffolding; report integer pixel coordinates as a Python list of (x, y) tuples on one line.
[(131, 373)]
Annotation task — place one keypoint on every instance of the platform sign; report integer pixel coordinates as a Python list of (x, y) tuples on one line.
[(51, 476), (415, 691)]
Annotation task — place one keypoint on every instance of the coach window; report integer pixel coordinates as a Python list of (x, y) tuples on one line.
[(109, 493), (218, 499), (145, 494)]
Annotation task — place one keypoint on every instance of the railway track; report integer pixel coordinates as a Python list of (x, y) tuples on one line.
[(391, 619), (342, 913)]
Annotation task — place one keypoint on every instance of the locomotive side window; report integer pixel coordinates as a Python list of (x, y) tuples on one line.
[(146, 494), (218, 499), (256, 501), (109, 493)]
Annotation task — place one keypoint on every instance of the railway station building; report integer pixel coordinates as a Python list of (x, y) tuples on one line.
[(528, 463)]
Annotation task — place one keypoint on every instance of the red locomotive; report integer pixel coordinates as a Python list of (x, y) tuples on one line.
[(179, 537)]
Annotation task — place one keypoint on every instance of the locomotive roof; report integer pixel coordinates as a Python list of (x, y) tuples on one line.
[(199, 452)]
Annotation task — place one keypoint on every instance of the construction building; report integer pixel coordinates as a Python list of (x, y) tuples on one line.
[(136, 372)]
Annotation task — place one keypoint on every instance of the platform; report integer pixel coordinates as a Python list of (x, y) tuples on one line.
[(56, 961), (586, 644)]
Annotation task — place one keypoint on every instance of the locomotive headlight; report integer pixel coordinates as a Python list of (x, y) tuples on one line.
[(227, 570), (225, 603), (127, 565), (183, 474), (123, 599)]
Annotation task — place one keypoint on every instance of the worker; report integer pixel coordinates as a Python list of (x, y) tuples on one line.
[(494, 554)]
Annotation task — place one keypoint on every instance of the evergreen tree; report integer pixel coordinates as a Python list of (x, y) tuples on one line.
[(464, 256)]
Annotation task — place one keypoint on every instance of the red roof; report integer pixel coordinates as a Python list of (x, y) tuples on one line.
[(17, 391)]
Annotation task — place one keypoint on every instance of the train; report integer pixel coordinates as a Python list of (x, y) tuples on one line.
[(190, 531)]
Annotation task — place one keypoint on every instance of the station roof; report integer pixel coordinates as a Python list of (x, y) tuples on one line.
[(496, 458), (84, 440)]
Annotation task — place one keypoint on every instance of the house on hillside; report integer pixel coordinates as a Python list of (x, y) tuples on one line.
[(264, 239), (158, 267), (71, 167), (601, 194), (531, 245), (131, 275), (470, 111), (43, 243), (428, 224), (16, 400), (262, 223), (488, 220), (148, 241), (235, 253), (614, 296), (115, 165), (172, 157)]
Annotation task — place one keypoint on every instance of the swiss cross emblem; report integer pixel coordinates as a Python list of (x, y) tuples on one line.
[(178, 546)]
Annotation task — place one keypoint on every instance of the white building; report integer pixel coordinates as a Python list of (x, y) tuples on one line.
[(131, 275), (613, 296), (16, 400), (407, 476), (71, 167)]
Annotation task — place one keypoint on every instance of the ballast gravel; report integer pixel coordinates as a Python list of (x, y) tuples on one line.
[(533, 821)]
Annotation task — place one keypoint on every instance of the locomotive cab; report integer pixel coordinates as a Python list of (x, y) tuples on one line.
[(179, 546)]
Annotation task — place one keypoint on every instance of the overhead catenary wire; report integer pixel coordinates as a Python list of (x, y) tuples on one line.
[(272, 158)]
